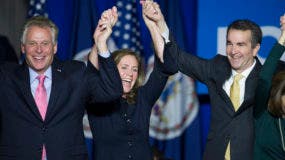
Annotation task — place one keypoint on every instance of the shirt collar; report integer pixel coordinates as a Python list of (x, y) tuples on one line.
[(246, 72), (34, 74)]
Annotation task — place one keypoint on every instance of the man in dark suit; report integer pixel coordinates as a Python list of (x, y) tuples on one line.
[(231, 81), (43, 101), (7, 52)]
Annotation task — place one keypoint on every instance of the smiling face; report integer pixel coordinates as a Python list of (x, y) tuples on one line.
[(128, 69), (39, 48), (239, 49)]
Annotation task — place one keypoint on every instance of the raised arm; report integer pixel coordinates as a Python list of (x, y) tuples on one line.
[(102, 33), (282, 36), (155, 22), (267, 72)]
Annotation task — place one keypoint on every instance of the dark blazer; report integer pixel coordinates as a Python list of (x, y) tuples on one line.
[(7, 52), (268, 143), (121, 130), (226, 124), (23, 132)]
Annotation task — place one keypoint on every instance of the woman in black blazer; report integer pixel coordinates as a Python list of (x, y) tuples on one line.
[(121, 128)]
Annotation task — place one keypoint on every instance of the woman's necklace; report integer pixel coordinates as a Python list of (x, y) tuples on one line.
[(281, 134)]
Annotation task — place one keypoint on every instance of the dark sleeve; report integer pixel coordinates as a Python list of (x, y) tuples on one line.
[(7, 52), (188, 63), (154, 85), (105, 84), (265, 77), (167, 67)]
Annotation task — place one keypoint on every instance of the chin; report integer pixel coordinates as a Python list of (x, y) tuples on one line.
[(127, 91), (235, 66)]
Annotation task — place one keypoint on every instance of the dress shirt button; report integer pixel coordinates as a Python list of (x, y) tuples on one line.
[(130, 157)]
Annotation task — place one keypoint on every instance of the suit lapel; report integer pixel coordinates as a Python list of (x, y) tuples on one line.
[(224, 73), (22, 81), (221, 76), (57, 84)]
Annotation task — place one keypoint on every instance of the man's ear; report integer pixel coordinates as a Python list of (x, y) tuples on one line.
[(55, 48), (22, 48), (256, 49)]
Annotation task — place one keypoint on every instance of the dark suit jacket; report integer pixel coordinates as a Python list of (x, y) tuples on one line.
[(268, 144), (23, 132), (121, 130), (226, 124), (7, 52)]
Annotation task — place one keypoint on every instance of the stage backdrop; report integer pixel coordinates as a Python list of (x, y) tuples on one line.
[(179, 125), (214, 16), (175, 124)]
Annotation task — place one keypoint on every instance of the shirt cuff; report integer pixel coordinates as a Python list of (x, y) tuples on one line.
[(165, 35), (105, 54)]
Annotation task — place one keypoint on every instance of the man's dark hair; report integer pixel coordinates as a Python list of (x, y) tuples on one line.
[(245, 24)]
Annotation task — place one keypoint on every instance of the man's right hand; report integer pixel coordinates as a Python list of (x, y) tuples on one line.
[(152, 12), (153, 17)]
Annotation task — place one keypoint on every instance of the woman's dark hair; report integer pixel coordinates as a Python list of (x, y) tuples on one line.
[(277, 91)]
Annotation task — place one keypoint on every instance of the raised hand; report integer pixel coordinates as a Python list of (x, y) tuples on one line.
[(102, 33), (114, 16), (152, 16), (104, 29), (148, 10), (282, 27), (151, 11)]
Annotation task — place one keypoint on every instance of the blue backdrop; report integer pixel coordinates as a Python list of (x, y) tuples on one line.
[(199, 28), (215, 15)]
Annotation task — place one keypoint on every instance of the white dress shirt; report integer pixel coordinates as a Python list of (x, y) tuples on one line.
[(228, 83)]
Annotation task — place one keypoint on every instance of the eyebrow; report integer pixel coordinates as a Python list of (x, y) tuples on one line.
[(125, 64)]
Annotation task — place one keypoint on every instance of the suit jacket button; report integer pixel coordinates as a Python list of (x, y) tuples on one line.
[(130, 157), (44, 129), (130, 144), (130, 131)]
